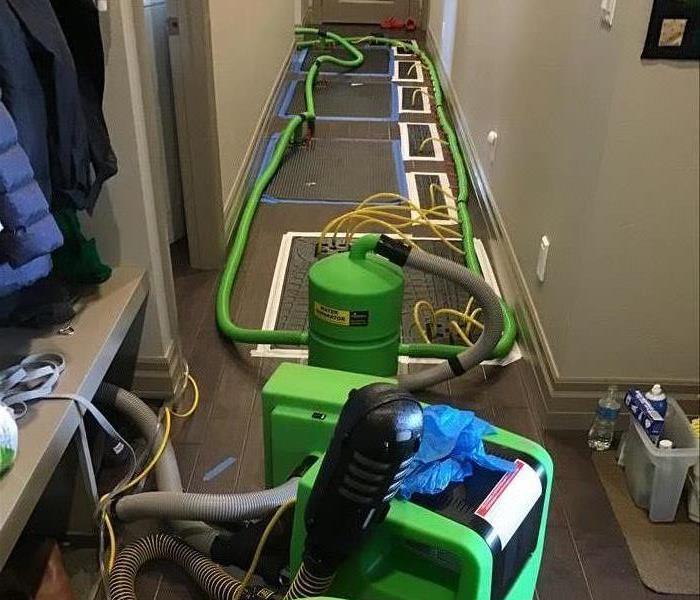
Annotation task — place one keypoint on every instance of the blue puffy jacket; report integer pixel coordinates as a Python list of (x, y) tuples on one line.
[(28, 232)]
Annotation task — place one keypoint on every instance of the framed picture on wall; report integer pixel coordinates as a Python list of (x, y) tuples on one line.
[(674, 30)]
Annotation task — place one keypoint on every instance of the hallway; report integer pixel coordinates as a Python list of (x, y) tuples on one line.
[(586, 555)]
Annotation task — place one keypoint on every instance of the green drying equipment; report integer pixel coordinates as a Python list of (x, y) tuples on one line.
[(355, 310), (355, 303), (292, 134), (479, 540)]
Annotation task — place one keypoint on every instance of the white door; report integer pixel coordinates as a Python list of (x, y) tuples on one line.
[(156, 18), (363, 11)]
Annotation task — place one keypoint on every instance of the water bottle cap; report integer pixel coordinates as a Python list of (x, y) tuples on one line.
[(656, 393), (666, 445)]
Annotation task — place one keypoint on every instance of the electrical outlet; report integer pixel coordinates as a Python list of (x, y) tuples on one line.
[(542, 258)]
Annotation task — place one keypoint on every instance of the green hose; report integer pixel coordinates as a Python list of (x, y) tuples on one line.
[(233, 262), (288, 135)]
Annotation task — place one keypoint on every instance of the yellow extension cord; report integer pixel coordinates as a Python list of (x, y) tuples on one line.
[(388, 217), (261, 545), (104, 500)]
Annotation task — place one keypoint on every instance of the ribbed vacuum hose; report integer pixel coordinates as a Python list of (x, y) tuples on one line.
[(484, 296), (308, 585), (173, 504), (213, 508), (195, 533), (216, 583)]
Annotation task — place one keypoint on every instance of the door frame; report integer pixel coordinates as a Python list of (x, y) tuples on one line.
[(416, 10), (198, 140)]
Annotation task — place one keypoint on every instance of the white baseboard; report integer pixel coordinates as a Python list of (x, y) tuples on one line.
[(237, 195), (158, 377), (561, 403)]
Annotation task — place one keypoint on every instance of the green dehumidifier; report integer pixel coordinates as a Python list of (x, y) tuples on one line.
[(478, 540)]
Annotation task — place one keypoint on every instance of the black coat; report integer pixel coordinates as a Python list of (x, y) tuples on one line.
[(56, 107)]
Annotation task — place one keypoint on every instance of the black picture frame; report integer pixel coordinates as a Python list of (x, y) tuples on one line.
[(662, 13)]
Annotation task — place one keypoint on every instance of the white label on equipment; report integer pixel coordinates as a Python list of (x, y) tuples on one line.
[(510, 501)]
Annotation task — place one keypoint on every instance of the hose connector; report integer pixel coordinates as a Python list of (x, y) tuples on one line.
[(392, 249)]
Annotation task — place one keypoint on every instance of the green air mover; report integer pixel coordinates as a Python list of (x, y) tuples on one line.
[(481, 539), (355, 303)]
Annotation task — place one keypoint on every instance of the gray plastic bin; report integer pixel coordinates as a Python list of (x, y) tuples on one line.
[(656, 477)]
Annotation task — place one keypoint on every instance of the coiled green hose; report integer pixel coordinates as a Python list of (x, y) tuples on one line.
[(289, 135)]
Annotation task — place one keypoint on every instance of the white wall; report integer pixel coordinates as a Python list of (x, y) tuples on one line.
[(156, 21), (128, 220), (250, 43), (600, 151)]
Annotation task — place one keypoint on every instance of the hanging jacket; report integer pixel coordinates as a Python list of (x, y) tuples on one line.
[(23, 95), (80, 22), (30, 29), (28, 231)]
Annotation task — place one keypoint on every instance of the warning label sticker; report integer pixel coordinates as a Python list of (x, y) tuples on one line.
[(342, 317), (510, 500)]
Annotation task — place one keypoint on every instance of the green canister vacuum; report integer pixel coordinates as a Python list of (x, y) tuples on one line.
[(355, 302)]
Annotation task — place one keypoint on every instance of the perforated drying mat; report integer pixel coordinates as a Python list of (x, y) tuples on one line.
[(376, 61), (331, 169), (293, 306), (345, 98)]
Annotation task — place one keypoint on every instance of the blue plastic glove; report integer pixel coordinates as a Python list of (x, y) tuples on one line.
[(451, 445)]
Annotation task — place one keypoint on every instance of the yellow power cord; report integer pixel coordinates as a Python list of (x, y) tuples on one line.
[(195, 402), (469, 319), (104, 500), (419, 91), (384, 213), (261, 545), (431, 139), (389, 217)]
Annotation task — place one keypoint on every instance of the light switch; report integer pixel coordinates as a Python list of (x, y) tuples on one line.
[(607, 8), (542, 258)]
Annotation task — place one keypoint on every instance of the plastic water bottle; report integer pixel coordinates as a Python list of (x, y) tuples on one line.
[(657, 398), (600, 436)]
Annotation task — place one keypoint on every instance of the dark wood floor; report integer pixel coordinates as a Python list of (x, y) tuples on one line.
[(585, 553)]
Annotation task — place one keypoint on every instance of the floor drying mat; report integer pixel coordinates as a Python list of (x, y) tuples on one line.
[(337, 170), (377, 61), (407, 70), (417, 134), (665, 554), (341, 98), (412, 100), (294, 300)]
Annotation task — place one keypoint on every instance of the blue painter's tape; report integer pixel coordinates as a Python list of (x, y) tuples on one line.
[(217, 470), (298, 60), (400, 168), (269, 149), (287, 100), (394, 101)]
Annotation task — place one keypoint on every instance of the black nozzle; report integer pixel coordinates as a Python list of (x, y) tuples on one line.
[(394, 250), (375, 440)]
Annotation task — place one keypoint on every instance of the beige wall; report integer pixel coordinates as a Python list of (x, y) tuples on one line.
[(128, 222), (250, 43), (599, 151)]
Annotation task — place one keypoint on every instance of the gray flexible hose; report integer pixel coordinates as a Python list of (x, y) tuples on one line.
[(196, 533), (216, 583), (484, 296), (213, 508)]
